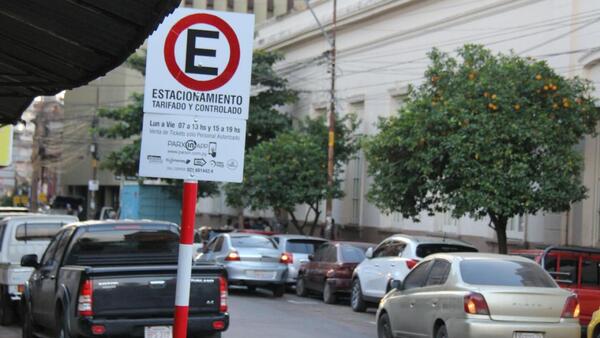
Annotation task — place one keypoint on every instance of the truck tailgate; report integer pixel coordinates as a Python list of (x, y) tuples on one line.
[(143, 292)]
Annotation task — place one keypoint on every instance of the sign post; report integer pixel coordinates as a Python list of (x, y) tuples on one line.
[(196, 101)]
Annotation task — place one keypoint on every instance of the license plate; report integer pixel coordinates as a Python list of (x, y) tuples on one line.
[(528, 335), (260, 274), (158, 332)]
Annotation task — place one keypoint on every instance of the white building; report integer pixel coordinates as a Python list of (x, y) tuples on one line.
[(382, 46)]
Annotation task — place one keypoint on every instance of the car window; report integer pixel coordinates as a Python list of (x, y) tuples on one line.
[(276, 239), (381, 250), (331, 254), (62, 244), (319, 254), (252, 242), (219, 244), (352, 254), (504, 273), (211, 244), (564, 272), (302, 246), (37, 231), (50, 250), (2, 229), (589, 272), (424, 250), (439, 272), (416, 278)]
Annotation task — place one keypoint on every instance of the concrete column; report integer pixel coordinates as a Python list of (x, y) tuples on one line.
[(280, 7), (299, 5), (260, 11), (221, 5), (240, 6), (200, 4)]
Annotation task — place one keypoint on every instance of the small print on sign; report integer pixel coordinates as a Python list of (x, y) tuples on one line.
[(181, 147), (199, 63)]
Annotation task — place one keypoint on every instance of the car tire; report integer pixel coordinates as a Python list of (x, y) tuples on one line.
[(62, 329), (27, 331), (329, 296), (301, 290), (441, 332), (384, 327), (278, 290), (7, 312), (357, 301), (251, 288)]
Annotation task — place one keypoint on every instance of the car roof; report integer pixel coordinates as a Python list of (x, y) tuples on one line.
[(110, 223), (288, 236), (18, 217), (429, 239), (244, 234), (464, 256), (358, 244)]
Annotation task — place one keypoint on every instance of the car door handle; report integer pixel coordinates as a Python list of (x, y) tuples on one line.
[(412, 305)]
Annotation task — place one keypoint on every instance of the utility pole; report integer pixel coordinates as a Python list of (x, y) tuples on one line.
[(92, 185), (329, 227)]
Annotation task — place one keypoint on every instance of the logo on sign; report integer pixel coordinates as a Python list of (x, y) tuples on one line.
[(190, 145), (193, 39)]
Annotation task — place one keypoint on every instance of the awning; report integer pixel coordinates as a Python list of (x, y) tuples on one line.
[(47, 46)]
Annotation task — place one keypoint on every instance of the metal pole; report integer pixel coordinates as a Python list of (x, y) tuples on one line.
[(94, 152), (331, 143), (184, 263)]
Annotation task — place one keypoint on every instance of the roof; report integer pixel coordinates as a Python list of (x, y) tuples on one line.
[(357, 244), (38, 216), (429, 239), (47, 46), (288, 236), (477, 255)]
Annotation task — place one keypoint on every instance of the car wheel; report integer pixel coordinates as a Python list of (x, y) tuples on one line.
[(384, 328), (301, 287), (27, 331), (441, 332), (329, 296), (7, 314), (62, 329), (278, 290), (356, 299), (251, 288)]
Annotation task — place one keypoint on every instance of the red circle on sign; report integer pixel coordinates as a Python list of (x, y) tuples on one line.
[(234, 53)]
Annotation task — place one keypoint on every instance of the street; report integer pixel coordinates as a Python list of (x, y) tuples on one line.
[(260, 315)]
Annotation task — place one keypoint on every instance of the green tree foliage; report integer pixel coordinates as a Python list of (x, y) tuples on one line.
[(291, 170), (486, 135)]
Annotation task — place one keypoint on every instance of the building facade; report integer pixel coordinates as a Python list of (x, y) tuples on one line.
[(381, 50)]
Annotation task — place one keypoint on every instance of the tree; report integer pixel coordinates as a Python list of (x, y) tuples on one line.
[(486, 136), (291, 170), (263, 124)]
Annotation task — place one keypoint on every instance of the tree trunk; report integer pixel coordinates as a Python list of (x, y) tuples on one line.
[(295, 223), (315, 220), (500, 228)]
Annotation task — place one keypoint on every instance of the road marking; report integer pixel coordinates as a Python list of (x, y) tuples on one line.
[(302, 302)]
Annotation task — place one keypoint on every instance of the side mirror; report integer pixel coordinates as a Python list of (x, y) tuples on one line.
[(30, 261), (369, 253), (311, 258), (396, 284)]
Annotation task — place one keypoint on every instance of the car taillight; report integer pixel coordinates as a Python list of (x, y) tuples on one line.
[(84, 306), (223, 292), (411, 263), (232, 256), (571, 309), (475, 304), (286, 258)]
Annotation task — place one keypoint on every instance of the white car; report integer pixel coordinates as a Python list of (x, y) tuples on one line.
[(19, 236), (391, 260), (298, 248)]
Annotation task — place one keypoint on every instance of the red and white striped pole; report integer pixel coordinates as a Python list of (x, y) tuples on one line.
[(184, 264)]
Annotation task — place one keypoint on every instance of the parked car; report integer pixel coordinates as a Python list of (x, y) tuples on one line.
[(392, 259), (573, 268), (19, 235), (593, 328), (462, 295), (297, 248), (118, 278), (251, 260), (329, 270), (21, 210)]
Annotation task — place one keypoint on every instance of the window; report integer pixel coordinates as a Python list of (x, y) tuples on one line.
[(252, 242), (425, 250), (219, 244), (37, 231), (504, 273), (2, 229), (589, 272), (439, 272), (49, 254), (389, 249), (565, 272), (416, 278), (515, 227), (380, 250), (302, 246), (330, 254), (352, 254), (356, 188), (211, 245), (320, 253)]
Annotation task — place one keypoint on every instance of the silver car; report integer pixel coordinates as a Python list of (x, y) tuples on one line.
[(462, 295), (297, 248), (251, 260)]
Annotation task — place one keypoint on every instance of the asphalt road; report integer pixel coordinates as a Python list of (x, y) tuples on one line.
[(259, 315)]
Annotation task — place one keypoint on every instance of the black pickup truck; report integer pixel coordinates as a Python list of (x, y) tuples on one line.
[(117, 279)]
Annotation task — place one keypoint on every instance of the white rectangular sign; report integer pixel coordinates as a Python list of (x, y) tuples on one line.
[(199, 63), (192, 148)]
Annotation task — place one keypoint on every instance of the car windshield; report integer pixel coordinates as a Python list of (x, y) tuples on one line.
[(302, 246), (504, 273), (424, 250), (353, 254), (252, 242)]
